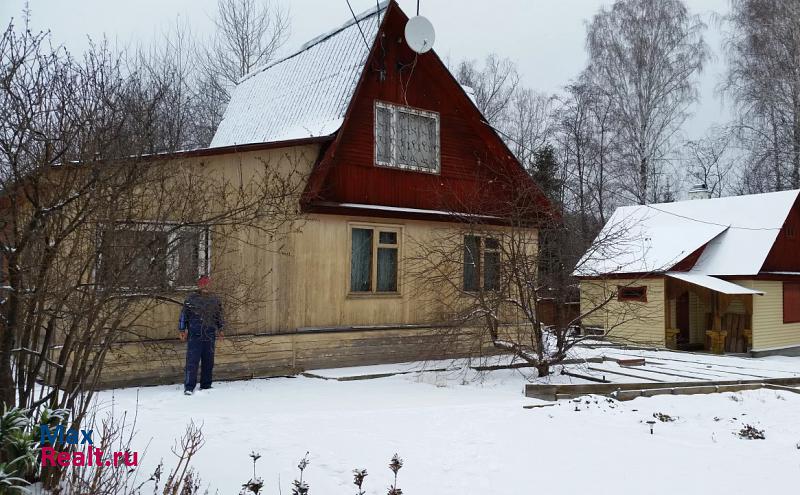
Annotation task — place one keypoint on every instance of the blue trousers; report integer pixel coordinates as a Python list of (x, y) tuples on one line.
[(199, 353)]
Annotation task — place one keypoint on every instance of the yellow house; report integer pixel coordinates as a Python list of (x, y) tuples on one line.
[(392, 150), (717, 274)]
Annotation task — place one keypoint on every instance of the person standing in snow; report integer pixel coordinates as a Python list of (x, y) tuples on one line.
[(200, 324)]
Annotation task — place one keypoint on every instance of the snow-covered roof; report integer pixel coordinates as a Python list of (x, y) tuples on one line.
[(713, 283), (305, 94), (737, 232)]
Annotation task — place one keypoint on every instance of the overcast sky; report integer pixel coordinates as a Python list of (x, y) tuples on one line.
[(544, 37)]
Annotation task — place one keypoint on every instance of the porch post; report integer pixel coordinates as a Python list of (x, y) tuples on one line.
[(716, 335)]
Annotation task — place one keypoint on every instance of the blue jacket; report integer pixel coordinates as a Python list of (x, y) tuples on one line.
[(201, 316)]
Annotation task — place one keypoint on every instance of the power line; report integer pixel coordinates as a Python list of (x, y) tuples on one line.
[(712, 223), (363, 36), (735, 227)]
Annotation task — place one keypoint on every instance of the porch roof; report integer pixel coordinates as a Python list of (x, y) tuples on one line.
[(713, 283)]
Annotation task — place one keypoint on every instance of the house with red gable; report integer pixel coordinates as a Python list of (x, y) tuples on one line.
[(391, 149), (714, 274)]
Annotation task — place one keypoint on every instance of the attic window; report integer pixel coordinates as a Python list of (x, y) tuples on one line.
[(632, 294), (406, 138)]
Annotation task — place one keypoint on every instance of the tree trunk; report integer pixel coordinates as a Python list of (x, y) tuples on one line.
[(643, 180), (7, 389), (796, 144), (543, 369)]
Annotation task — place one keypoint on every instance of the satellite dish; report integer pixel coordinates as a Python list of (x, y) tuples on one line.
[(420, 34)]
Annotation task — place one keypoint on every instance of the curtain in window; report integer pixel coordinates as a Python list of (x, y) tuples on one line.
[(361, 261), (387, 269), (491, 270), (383, 136), (134, 258), (187, 257), (471, 256), (416, 140)]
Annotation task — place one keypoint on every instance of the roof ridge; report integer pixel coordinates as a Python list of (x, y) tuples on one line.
[(380, 7)]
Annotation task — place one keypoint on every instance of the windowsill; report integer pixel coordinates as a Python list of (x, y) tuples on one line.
[(410, 168), (150, 291), (374, 295)]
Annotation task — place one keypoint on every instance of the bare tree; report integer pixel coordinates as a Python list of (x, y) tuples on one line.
[(644, 55), (482, 277), (586, 141), (93, 233), (494, 84), (528, 123), (709, 160), (249, 33), (763, 79), (168, 66)]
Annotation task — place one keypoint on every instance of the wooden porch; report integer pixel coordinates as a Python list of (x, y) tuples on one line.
[(701, 319)]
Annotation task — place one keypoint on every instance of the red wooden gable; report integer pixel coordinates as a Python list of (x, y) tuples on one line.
[(785, 253), (478, 173)]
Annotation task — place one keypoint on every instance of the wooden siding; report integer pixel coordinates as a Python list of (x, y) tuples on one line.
[(769, 331), (631, 322), (306, 284), (783, 255), (254, 356), (472, 155)]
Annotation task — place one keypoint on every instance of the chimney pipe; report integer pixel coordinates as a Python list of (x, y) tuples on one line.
[(699, 191)]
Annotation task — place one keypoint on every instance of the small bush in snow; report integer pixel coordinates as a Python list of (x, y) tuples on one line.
[(395, 465), (751, 433), (255, 484), (300, 487), (358, 480), (664, 418)]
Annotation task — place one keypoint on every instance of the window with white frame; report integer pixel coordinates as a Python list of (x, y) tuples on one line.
[(152, 255), (406, 138), (374, 254)]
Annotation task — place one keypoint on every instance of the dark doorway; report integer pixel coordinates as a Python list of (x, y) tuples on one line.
[(682, 316)]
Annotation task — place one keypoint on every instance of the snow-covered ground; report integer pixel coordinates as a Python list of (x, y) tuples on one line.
[(462, 433)]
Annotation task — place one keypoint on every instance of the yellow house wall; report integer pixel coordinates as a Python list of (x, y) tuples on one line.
[(302, 278), (628, 322), (769, 331), (245, 260)]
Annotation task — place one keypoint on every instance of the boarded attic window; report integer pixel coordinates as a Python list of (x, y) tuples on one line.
[(791, 302), (406, 138), (632, 294)]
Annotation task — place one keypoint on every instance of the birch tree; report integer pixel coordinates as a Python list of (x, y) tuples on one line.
[(709, 161), (763, 80), (248, 34), (644, 56), (94, 235), (494, 85)]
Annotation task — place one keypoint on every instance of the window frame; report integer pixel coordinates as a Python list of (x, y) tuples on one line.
[(173, 230), (376, 228), (788, 316), (480, 263), (394, 145), (636, 298)]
